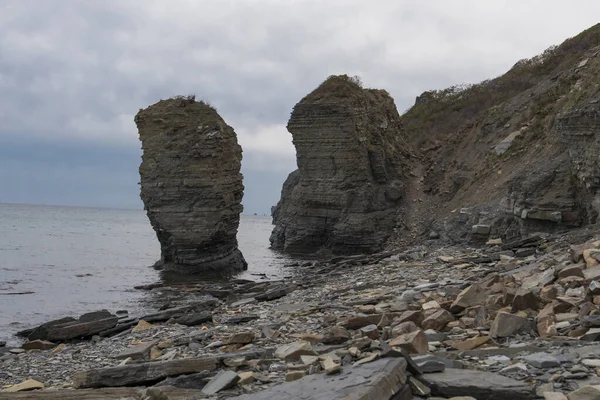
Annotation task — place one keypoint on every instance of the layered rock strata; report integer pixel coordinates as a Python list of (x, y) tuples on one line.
[(345, 196), (191, 185)]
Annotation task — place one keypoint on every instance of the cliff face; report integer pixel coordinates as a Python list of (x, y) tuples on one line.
[(517, 154), (191, 185), (346, 194)]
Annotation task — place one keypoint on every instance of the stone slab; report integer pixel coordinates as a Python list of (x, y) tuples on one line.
[(380, 379), (100, 394), (137, 374), (479, 384)]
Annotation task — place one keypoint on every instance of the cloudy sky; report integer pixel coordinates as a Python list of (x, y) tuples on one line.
[(73, 73)]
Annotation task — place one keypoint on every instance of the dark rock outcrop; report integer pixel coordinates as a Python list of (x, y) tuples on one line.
[(345, 196), (191, 185), (517, 153)]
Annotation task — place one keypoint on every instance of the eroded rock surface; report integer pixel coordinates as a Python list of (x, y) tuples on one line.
[(191, 185), (345, 196)]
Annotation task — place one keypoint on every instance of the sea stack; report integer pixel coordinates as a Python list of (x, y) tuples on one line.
[(346, 194), (191, 185)]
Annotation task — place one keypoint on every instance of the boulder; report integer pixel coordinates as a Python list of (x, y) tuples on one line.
[(506, 324), (191, 185), (413, 342), (293, 351), (473, 295), (523, 300), (336, 335), (438, 320)]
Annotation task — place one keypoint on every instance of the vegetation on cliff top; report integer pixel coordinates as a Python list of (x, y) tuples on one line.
[(450, 108)]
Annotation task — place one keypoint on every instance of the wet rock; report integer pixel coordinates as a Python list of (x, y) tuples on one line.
[(506, 324), (223, 380), (479, 384), (77, 329), (191, 185)]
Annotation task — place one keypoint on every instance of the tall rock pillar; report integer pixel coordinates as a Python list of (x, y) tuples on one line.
[(345, 196), (191, 185)]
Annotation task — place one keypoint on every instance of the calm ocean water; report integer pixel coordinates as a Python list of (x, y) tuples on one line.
[(61, 261)]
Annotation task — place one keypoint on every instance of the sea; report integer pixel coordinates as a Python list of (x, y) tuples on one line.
[(64, 261)]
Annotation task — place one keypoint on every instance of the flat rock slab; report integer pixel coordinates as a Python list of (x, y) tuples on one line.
[(138, 374), (478, 384), (100, 394), (74, 330), (380, 379)]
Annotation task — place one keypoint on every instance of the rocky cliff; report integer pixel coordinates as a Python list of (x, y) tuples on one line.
[(503, 158), (346, 194), (512, 155), (191, 185)]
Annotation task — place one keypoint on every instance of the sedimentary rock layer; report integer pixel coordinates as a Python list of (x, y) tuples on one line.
[(191, 185), (345, 195)]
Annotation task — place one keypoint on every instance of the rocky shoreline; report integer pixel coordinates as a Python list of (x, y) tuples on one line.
[(505, 320)]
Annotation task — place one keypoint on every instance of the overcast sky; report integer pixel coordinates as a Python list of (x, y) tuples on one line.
[(73, 73)]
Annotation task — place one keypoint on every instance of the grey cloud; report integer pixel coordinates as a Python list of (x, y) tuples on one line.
[(78, 70)]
